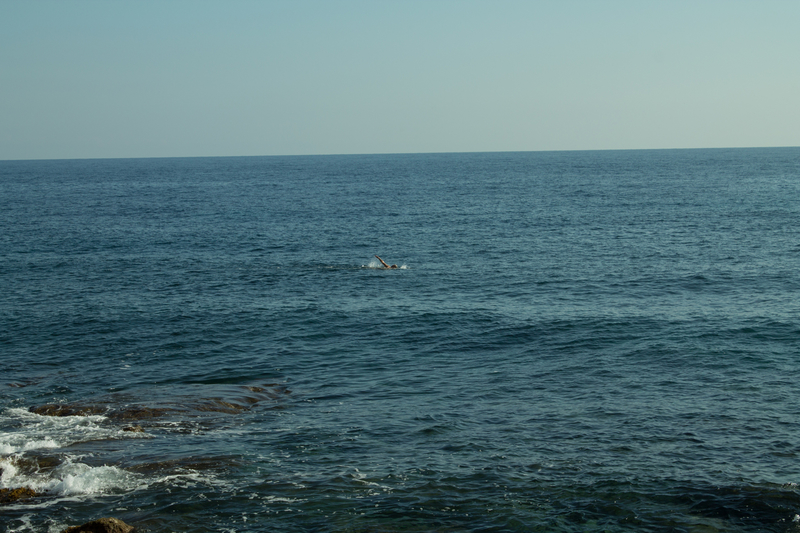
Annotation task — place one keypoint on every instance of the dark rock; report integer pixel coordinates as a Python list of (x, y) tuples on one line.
[(135, 412), (138, 412), (53, 409), (45, 463), (103, 525), (12, 495), (34, 463), (133, 429)]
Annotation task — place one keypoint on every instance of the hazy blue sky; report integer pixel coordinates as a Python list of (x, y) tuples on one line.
[(196, 78)]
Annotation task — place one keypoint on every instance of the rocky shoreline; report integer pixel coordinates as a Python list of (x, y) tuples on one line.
[(133, 419), (101, 525), (19, 493)]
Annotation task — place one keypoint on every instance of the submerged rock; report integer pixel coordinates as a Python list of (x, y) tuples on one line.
[(234, 401), (12, 495), (102, 525), (216, 405)]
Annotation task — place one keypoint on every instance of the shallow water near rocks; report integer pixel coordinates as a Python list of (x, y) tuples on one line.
[(574, 341)]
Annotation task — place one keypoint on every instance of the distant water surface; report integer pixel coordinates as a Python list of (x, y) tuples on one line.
[(574, 341)]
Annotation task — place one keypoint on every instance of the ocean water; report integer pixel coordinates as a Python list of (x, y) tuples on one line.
[(574, 342)]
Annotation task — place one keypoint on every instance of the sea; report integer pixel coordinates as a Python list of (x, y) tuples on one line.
[(573, 341)]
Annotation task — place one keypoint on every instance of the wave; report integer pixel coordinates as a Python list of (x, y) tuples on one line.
[(55, 450)]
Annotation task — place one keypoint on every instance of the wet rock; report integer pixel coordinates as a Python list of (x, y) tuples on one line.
[(53, 409), (139, 412), (102, 525), (135, 412), (34, 463), (133, 429), (13, 495)]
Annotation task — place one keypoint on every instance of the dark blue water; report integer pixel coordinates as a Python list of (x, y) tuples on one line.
[(574, 341)]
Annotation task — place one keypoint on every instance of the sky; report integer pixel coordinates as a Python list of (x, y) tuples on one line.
[(174, 78)]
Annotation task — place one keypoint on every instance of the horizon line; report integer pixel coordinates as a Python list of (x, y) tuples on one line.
[(398, 153)]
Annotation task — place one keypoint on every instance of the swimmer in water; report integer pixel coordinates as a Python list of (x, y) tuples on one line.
[(384, 263)]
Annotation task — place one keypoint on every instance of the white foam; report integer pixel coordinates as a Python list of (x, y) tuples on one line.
[(73, 479), (8, 448), (37, 431), (29, 431), (192, 478), (7, 472), (25, 525), (39, 444)]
